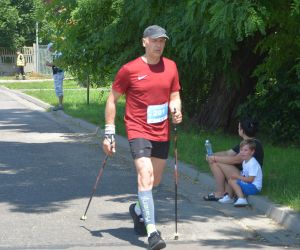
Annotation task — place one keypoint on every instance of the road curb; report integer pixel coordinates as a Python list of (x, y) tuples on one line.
[(29, 98), (280, 214)]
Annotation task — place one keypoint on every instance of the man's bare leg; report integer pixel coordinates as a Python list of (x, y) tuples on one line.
[(145, 175), (158, 169), (60, 100)]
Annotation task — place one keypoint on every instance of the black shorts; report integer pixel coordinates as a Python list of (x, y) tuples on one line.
[(140, 147)]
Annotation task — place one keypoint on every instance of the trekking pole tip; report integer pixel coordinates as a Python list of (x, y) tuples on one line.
[(176, 236), (83, 217)]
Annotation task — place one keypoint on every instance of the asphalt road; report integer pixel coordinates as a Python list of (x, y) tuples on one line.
[(48, 166)]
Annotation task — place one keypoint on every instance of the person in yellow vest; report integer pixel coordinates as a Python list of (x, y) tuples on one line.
[(20, 65)]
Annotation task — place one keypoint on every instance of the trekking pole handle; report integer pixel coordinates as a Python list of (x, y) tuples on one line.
[(175, 125)]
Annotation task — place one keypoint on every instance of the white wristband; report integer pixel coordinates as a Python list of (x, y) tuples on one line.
[(110, 129)]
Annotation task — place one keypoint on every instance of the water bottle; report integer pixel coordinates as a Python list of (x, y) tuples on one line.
[(208, 148)]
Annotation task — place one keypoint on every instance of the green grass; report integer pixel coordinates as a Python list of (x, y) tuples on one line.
[(281, 165), (69, 84), (29, 76)]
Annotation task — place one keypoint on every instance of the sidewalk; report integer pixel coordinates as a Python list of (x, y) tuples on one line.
[(205, 224)]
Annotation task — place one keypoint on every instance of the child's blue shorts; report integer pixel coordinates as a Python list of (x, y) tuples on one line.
[(247, 188)]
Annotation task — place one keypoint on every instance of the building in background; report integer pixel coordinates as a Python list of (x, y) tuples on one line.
[(34, 64)]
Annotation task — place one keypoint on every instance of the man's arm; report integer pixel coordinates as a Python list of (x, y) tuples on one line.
[(49, 64), (175, 105), (110, 114), (49, 61), (23, 59), (111, 107)]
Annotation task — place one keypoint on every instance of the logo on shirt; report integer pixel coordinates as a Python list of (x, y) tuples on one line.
[(141, 77)]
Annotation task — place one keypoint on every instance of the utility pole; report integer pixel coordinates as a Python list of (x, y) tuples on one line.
[(37, 46)]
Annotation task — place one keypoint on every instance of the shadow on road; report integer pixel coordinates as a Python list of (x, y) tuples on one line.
[(122, 233)]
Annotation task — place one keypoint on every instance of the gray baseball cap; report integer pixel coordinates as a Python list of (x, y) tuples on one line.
[(49, 46), (155, 31)]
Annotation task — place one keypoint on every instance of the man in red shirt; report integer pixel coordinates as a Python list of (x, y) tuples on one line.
[(151, 86)]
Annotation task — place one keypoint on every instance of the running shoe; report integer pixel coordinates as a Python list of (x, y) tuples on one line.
[(241, 202), (226, 199), (59, 107), (138, 221), (156, 242)]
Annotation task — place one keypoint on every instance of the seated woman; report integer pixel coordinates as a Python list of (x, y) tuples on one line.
[(226, 163)]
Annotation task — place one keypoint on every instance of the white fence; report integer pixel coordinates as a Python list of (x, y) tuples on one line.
[(33, 63)]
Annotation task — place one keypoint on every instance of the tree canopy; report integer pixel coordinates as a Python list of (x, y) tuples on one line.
[(17, 23), (234, 57)]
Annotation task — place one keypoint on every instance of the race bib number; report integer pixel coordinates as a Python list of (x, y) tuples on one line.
[(157, 113)]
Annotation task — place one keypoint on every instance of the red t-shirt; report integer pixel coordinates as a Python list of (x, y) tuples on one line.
[(147, 88)]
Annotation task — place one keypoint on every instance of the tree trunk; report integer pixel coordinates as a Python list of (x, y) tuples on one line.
[(224, 99)]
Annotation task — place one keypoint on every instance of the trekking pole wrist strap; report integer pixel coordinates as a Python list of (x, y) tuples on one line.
[(109, 132), (110, 129)]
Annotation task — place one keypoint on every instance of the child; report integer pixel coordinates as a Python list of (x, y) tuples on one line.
[(250, 180)]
